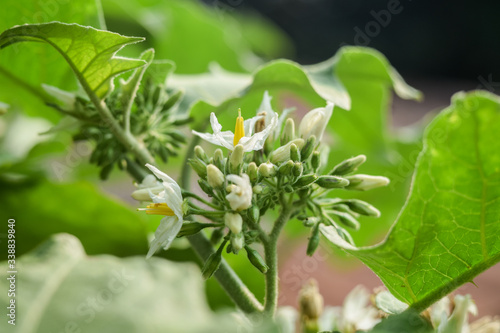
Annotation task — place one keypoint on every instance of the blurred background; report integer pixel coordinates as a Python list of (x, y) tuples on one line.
[(437, 48)]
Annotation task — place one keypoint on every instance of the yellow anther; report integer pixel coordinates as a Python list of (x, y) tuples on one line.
[(159, 209), (239, 129)]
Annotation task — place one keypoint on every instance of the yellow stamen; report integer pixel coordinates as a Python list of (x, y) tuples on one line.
[(159, 209), (239, 129)]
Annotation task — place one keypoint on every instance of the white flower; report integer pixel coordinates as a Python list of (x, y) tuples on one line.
[(149, 185), (215, 177), (244, 133), (315, 121), (240, 197), (168, 203)]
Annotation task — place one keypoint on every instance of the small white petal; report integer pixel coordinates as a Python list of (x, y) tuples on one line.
[(165, 233)]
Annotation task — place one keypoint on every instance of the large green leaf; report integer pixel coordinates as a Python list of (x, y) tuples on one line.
[(103, 225), (89, 52), (61, 289), (24, 67), (447, 233)]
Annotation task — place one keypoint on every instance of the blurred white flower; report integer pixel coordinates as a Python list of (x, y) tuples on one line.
[(168, 203), (315, 121), (458, 321), (240, 197)]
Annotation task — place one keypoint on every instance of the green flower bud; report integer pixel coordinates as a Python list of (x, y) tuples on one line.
[(366, 182), (288, 132), (219, 159), (237, 242), (345, 236), (200, 153), (294, 153), (205, 187), (315, 160), (217, 235), (348, 166), (236, 160), (288, 188), (344, 208), (347, 219), (257, 189), (311, 304), (191, 228), (297, 169), (332, 182), (311, 221), (362, 207), (283, 153), (305, 180), (213, 262), (252, 171), (313, 243), (256, 259), (286, 168), (308, 148), (254, 214), (234, 222), (215, 177), (267, 170), (199, 167)]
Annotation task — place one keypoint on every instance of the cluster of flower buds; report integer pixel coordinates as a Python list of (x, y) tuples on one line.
[(268, 165)]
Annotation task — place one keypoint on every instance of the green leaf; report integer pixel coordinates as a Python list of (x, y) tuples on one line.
[(89, 52), (447, 233), (43, 209), (60, 288)]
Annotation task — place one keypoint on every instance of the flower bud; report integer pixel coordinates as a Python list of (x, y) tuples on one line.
[(311, 221), (310, 301), (347, 219), (283, 153), (254, 214), (315, 160), (256, 259), (205, 187), (294, 153), (191, 228), (315, 121), (217, 235), (215, 177), (200, 153), (313, 243), (308, 148), (366, 182), (286, 168), (234, 222), (288, 188), (257, 189), (305, 180), (332, 182), (236, 160), (219, 159), (199, 167), (237, 242), (213, 262), (348, 166), (288, 132), (149, 185), (267, 170), (252, 171), (361, 207), (297, 169)]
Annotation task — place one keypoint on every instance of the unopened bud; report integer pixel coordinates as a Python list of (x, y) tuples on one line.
[(256, 259), (252, 171), (308, 148), (347, 219), (283, 153), (315, 160), (332, 182), (267, 170), (149, 185), (298, 168), (361, 207), (236, 160), (205, 187), (257, 189), (313, 243), (254, 214), (305, 180), (366, 182), (237, 242), (288, 132), (199, 167), (215, 177), (219, 159), (288, 188), (213, 262), (191, 228), (348, 166), (200, 153), (286, 168), (294, 153), (234, 222), (311, 221), (310, 301)]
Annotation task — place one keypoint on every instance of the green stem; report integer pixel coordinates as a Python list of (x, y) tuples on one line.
[(187, 194)]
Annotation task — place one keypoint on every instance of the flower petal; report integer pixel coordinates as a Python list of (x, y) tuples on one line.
[(166, 180), (256, 141), (165, 233)]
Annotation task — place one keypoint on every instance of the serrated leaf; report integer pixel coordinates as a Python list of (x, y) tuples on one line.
[(447, 232), (61, 288), (89, 52)]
